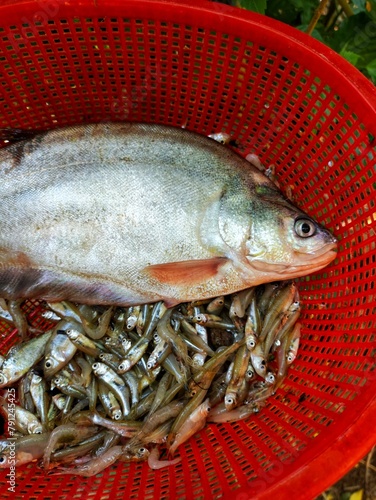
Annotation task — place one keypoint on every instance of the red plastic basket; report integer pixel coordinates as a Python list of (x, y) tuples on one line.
[(299, 106)]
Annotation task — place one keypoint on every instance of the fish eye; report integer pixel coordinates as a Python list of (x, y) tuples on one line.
[(305, 228), (48, 363), (2, 459)]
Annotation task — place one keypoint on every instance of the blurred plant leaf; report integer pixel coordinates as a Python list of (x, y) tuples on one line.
[(316, 33), (293, 12), (345, 496), (355, 40), (254, 5), (350, 56), (371, 69), (357, 495), (348, 29)]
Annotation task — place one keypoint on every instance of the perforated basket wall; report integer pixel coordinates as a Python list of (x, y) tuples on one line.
[(298, 106)]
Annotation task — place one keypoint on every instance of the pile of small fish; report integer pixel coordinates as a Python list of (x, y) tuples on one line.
[(127, 383)]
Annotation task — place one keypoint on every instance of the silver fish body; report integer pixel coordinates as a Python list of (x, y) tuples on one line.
[(129, 213), (21, 358)]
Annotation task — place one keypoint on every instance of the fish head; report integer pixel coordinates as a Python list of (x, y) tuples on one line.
[(5, 461), (34, 428), (116, 414), (99, 368), (284, 242), (59, 350), (36, 379), (141, 453), (59, 400), (51, 366), (3, 379), (72, 334)]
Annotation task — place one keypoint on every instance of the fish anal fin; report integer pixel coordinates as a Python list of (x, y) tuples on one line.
[(187, 272)]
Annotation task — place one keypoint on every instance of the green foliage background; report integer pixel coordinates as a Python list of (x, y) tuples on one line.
[(347, 26)]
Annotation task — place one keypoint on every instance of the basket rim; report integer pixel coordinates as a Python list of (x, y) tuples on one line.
[(329, 463), (356, 435), (231, 19)]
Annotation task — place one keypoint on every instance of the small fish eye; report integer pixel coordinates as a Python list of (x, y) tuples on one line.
[(48, 363), (305, 228), (2, 459)]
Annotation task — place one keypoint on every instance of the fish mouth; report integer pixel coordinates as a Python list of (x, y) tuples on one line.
[(319, 259), (310, 263)]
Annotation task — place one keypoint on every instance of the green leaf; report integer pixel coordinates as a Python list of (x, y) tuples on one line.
[(371, 9), (254, 5), (356, 34), (315, 33), (350, 56), (360, 6), (371, 69), (357, 495), (293, 12)]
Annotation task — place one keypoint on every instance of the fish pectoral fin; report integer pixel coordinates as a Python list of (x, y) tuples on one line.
[(186, 272)]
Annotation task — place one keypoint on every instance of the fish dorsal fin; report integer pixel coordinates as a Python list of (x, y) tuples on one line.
[(187, 272)]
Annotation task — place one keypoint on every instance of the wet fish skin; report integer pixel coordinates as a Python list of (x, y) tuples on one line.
[(59, 349), (127, 213), (19, 360), (28, 449)]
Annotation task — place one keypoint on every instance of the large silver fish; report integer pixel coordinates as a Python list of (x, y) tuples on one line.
[(134, 213)]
